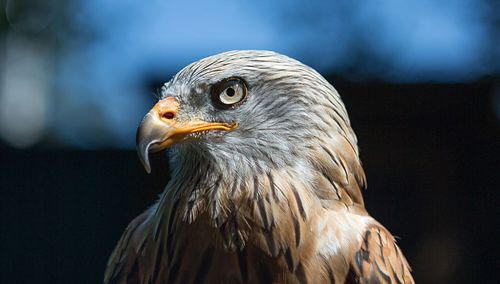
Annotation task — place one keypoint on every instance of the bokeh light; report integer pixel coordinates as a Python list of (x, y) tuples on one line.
[(79, 73)]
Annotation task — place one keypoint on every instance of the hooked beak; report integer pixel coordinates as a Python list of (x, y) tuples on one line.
[(160, 129)]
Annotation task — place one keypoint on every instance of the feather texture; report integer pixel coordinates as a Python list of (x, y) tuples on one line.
[(277, 201)]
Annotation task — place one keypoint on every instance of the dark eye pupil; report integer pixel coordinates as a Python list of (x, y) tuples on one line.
[(230, 92)]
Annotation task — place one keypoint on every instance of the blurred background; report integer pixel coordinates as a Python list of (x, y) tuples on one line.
[(420, 79)]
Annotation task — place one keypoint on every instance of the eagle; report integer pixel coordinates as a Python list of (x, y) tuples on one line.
[(265, 183)]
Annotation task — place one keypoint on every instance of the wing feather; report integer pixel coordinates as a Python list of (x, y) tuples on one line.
[(379, 259), (123, 262)]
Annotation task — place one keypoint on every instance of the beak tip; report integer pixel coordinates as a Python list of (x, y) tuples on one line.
[(146, 165), (144, 157)]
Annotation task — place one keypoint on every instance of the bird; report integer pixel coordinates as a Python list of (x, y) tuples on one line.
[(265, 182)]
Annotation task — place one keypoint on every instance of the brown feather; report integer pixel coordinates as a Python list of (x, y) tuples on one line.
[(259, 237), (379, 260), (290, 222)]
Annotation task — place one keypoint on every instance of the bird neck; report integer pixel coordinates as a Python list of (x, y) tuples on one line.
[(229, 196), (238, 205), (205, 184)]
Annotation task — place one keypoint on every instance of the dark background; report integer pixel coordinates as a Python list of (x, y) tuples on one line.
[(420, 79), (431, 153)]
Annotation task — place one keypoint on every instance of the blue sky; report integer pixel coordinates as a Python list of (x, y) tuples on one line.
[(114, 48)]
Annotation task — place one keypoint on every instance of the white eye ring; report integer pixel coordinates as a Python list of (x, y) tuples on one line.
[(230, 92)]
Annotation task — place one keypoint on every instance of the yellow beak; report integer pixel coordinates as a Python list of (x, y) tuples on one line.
[(159, 129)]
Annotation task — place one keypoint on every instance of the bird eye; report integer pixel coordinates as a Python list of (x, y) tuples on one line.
[(229, 93)]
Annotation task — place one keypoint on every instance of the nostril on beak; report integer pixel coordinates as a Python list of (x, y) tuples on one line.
[(168, 115), (167, 109)]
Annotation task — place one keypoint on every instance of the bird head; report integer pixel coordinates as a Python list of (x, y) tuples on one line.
[(254, 109)]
